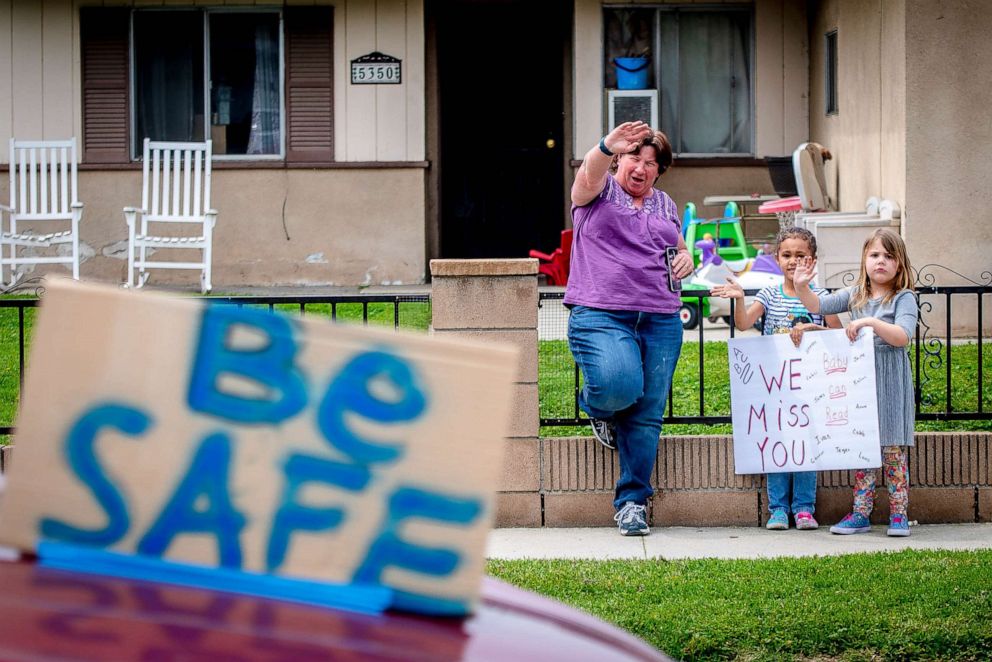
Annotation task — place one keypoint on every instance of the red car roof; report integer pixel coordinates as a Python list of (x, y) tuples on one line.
[(56, 615)]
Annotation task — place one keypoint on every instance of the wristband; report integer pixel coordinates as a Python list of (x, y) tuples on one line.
[(603, 148)]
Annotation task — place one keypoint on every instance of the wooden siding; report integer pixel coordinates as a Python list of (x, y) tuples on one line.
[(41, 71)]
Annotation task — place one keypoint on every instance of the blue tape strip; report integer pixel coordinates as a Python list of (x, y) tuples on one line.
[(368, 599)]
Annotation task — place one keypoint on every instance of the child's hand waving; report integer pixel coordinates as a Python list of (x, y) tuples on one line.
[(732, 290), (805, 271)]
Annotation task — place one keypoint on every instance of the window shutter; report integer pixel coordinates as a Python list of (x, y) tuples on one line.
[(106, 119), (309, 84)]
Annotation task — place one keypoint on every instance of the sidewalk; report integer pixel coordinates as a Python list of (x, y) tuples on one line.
[(671, 543)]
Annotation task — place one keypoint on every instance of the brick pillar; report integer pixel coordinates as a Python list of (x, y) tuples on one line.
[(496, 301)]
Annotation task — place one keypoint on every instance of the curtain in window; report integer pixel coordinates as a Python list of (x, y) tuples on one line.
[(168, 58), (264, 135), (713, 85)]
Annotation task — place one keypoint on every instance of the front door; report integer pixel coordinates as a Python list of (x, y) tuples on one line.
[(500, 87)]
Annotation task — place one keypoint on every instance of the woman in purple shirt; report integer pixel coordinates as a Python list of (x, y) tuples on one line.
[(624, 328)]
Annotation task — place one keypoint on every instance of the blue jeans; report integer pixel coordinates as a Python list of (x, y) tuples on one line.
[(627, 360), (803, 485)]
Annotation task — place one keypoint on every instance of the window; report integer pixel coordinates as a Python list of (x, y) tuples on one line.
[(257, 82), (241, 51), (830, 73), (700, 61)]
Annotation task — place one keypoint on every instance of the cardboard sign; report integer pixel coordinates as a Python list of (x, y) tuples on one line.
[(811, 408), (241, 439)]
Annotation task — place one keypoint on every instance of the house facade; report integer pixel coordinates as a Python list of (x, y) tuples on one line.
[(355, 140)]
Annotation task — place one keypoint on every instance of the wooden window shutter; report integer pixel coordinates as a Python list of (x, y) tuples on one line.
[(309, 84), (106, 116)]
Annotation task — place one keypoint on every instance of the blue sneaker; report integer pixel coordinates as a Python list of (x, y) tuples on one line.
[(852, 523), (778, 521), (898, 526), (632, 520)]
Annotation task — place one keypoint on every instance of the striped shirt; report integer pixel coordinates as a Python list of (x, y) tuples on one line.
[(783, 312)]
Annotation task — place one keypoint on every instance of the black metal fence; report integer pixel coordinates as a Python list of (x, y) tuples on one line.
[(941, 363), (396, 310), (953, 375)]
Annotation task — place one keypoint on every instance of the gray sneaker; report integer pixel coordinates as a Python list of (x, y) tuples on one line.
[(605, 432), (632, 520)]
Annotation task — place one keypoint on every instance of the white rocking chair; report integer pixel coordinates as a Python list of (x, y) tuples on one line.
[(175, 190), (43, 195)]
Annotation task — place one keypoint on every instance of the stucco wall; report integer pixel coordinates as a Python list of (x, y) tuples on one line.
[(275, 227), (40, 90), (948, 135), (867, 134)]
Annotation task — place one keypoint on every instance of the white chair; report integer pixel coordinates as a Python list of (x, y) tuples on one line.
[(43, 196), (175, 192)]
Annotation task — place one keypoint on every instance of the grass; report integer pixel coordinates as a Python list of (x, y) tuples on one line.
[(905, 605), (556, 381), (557, 372), (413, 315)]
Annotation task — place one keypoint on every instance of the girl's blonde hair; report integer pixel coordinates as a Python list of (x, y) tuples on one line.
[(893, 244)]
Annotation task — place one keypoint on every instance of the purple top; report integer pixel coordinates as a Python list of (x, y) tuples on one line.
[(618, 252)]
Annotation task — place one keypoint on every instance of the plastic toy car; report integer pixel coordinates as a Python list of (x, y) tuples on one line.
[(752, 274)]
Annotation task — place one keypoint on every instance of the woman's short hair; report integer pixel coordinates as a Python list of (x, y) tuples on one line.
[(662, 147)]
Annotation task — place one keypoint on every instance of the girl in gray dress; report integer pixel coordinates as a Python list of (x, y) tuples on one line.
[(882, 299)]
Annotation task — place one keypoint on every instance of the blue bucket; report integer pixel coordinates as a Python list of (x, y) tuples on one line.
[(632, 73)]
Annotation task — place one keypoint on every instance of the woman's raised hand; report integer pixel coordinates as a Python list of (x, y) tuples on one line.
[(626, 137), (805, 271)]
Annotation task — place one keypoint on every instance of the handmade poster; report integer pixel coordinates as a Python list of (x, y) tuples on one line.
[(248, 442), (811, 408)]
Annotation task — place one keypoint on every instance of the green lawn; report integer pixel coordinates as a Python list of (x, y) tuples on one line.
[(556, 375), (413, 315), (885, 606), (557, 372)]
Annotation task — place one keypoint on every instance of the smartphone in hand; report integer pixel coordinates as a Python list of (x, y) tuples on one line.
[(674, 284)]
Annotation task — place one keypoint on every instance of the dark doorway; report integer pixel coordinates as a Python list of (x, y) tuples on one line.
[(500, 125)]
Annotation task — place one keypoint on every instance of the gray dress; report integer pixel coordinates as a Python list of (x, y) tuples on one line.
[(893, 376)]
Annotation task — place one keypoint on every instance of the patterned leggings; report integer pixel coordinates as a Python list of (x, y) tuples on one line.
[(896, 476)]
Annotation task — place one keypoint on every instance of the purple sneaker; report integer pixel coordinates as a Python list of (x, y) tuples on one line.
[(852, 523)]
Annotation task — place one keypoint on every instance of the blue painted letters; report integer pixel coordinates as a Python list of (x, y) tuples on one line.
[(79, 448), (352, 391), (206, 478), (292, 516), (271, 367)]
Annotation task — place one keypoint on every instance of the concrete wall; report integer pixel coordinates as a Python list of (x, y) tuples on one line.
[(781, 117), (695, 483), (353, 226), (496, 301), (867, 134), (948, 136)]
